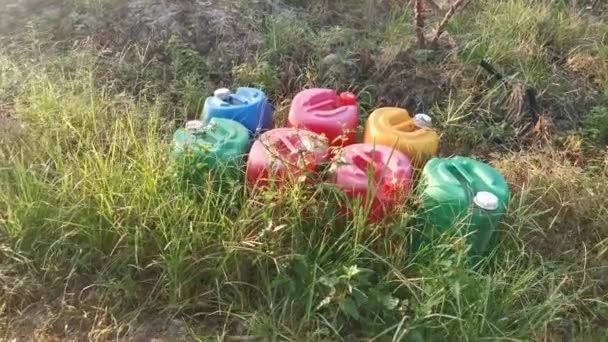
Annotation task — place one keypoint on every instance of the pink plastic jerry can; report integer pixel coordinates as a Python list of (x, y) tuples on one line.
[(373, 172), (284, 154), (325, 112)]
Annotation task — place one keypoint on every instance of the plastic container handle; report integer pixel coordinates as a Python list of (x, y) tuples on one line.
[(285, 143), (378, 165), (463, 173), (321, 104), (406, 125)]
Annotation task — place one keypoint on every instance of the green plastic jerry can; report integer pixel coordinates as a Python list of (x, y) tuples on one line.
[(218, 146), (462, 192)]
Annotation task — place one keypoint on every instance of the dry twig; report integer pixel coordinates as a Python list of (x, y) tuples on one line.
[(419, 17), (444, 22)]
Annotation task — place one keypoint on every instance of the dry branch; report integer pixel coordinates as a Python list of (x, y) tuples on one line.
[(444, 22), (419, 17)]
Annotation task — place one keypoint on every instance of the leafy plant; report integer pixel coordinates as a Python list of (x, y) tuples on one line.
[(354, 294), (595, 123)]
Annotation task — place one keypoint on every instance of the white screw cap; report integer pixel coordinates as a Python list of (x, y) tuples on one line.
[(222, 93), (486, 200), (194, 125), (423, 121)]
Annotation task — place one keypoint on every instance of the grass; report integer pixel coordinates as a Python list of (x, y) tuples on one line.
[(98, 239)]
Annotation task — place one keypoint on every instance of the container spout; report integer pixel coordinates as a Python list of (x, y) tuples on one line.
[(486, 200), (222, 94), (348, 99), (194, 125), (423, 121)]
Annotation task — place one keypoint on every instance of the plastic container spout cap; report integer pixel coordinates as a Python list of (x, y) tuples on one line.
[(222, 94), (423, 121), (348, 99), (194, 125), (486, 200)]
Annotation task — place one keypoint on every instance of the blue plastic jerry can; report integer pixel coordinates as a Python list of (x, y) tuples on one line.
[(248, 106)]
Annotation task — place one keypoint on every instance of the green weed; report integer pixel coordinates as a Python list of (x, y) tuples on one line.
[(595, 124), (257, 74)]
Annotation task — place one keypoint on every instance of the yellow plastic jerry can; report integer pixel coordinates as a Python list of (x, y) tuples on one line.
[(395, 127)]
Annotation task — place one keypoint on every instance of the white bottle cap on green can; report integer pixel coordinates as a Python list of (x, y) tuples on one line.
[(194, 125), (423, 121), (486, 200), (222, 93)]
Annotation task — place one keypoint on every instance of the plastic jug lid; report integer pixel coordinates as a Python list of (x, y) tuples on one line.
[(347, 98), (222, 93), (194, 125), (423, 121), (486, 200)]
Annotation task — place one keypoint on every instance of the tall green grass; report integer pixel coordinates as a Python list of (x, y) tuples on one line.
[(527, 38), (88, 188)]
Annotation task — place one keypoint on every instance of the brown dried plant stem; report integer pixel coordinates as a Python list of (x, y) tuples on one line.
[(419, 17), (444, 22)]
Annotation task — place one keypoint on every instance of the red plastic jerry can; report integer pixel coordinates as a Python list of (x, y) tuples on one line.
[(374, 172), (325, 112), (284, 154)]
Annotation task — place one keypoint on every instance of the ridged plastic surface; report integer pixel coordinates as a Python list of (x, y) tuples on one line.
[(284, 154), (219, 144), (448, 187), (377, 173), (250, 108), (394, 127), (325, 112)]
